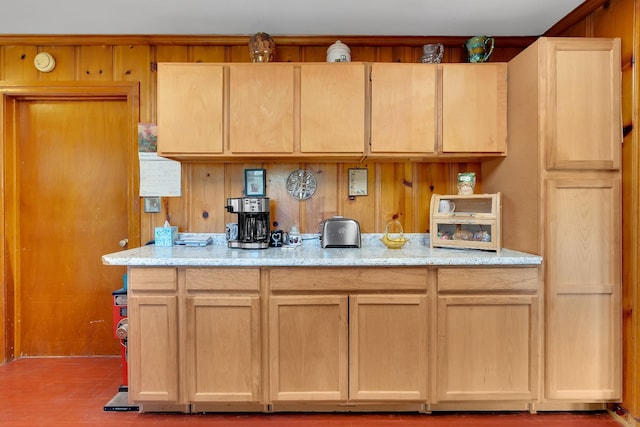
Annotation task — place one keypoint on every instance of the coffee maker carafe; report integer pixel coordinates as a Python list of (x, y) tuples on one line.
[(253, 222)]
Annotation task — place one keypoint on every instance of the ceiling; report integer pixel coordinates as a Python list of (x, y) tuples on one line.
[(284, 17)]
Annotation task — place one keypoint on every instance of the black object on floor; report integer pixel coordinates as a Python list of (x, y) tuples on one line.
[(120, 403)]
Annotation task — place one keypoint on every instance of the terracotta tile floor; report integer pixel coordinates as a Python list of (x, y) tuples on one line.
[(73, 391)]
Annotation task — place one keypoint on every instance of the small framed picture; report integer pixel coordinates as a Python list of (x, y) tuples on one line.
[(255, 182), (358, 182)]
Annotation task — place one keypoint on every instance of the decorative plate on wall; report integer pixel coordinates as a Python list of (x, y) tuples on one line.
[(301, 184)]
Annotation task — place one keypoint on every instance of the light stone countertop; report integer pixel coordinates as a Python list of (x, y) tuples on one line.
[(372, 254)]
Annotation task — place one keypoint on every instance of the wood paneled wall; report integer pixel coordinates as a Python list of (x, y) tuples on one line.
[(401, 189), (619, 18)]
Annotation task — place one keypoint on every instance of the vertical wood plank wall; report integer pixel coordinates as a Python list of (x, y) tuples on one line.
[(395, 188), (619, 18)]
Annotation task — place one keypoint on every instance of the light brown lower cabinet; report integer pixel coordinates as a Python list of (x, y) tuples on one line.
[(488, 334), (262, 339), (584, 360), (194, 338), (153, 350), (345, 348), (348, 335), (308, 351), (484, 347), (566, 206), (223, 348), (388, 347), (222, 343)]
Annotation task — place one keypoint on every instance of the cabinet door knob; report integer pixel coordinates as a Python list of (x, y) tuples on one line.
[(123, 243)]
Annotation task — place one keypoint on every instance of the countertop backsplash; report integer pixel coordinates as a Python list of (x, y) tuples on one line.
[(313, 239)]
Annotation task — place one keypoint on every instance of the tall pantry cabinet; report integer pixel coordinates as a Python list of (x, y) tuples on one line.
[(561, 199)]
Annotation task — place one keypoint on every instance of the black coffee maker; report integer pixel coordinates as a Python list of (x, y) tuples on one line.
[(253, 222)]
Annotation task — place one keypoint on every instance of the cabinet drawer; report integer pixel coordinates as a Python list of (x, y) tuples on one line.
[(488, 279), (348, 279), (152, 279), (227, 279)]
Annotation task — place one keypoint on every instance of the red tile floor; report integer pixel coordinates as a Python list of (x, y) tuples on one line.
[(73, 391)]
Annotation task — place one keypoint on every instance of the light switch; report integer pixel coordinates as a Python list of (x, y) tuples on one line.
[(152, 204)]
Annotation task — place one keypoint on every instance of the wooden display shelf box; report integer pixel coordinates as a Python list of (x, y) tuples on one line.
[(474, 222)]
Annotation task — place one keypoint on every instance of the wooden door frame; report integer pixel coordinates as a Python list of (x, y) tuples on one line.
[(11, 93)]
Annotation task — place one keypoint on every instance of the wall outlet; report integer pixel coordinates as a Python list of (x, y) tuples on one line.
[(152, 204)]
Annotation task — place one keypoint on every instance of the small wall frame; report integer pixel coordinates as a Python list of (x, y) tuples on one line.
[(358, 182), (255, 182)]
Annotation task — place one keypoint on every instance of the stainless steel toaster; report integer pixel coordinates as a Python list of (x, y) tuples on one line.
[(339, 232)]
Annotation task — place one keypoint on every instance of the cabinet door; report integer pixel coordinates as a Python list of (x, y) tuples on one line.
[(308, 348), (388, 347), (223, 345), (583, 105), (486, 348), (583, 277), (190, 108), (332, 108), (403, 108), (261, 108), (474, 108), (153, 348)]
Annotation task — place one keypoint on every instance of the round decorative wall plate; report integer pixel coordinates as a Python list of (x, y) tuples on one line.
[(301, 184)]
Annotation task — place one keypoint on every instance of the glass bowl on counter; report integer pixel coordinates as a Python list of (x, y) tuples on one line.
[(393, 237)]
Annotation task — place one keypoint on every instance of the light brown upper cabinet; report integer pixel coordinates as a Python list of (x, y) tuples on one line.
[(474, 108), (332, 108), (190, 109), (261, 108), (579, 75), (403, 109), (276, 110)]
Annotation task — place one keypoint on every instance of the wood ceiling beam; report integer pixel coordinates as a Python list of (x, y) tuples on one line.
[(575, 16), (239, 40)]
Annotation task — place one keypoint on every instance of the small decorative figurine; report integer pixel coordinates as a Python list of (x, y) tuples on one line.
[(262, 48)]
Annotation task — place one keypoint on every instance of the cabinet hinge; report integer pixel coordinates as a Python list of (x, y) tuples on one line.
[(153, 66)]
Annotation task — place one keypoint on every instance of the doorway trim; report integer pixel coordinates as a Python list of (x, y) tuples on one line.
[(11, 93)]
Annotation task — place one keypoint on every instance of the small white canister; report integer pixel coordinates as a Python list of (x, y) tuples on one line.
[(338, 52)]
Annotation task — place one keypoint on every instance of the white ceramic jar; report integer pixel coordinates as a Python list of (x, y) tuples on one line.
[(338, 52)]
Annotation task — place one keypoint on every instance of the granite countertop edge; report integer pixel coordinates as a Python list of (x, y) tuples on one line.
[(372, 253)]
